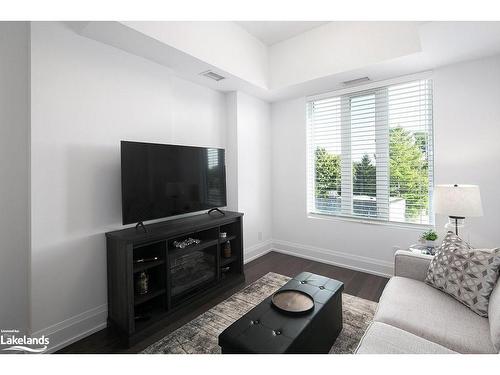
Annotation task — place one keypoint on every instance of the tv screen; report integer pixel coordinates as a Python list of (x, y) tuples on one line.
[(165, 180)]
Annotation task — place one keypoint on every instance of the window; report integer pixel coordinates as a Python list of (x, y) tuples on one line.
[(370, 153)]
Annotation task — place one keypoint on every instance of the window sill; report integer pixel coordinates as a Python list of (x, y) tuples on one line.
[(393, 224)]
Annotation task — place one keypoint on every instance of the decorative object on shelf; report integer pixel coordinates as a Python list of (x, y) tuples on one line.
[(227, 250), (422, 249), (145, 260), (458, 202), (187, 242), (142, 283), (429, 238), (293, 301), (223, 235)]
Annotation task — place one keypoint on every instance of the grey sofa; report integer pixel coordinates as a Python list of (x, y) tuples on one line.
[(413, 317)]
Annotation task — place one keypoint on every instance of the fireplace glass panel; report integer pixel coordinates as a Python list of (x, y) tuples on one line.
[(192, 269)]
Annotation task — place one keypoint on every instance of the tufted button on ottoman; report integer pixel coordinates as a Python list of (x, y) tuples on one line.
[(264, 329)]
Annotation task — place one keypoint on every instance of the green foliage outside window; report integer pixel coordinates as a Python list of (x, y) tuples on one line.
[(327, 173), (365, 177), (407, 165)]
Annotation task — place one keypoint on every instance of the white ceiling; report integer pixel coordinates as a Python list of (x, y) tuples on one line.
[(271, 32), (439, 44)]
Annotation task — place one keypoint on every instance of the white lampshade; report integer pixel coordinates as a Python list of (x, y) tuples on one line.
[(458, 200)]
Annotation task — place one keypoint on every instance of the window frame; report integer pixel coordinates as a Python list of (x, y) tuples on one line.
[(310, 174)]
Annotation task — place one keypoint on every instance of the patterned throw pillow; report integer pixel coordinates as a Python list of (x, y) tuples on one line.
[(466, 274)]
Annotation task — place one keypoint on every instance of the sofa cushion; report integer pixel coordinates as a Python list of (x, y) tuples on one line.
[(382, 338), (433, 315), (468, 275), (494, 316)]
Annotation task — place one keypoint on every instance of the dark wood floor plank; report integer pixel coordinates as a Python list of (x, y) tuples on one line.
[(373, 289), (356, 283)]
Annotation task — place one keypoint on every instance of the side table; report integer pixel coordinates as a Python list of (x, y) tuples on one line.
[(422, 249)]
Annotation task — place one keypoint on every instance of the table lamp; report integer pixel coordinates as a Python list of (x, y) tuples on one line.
[(458, 202)]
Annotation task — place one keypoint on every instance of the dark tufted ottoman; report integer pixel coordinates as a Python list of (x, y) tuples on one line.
[(264, 329)]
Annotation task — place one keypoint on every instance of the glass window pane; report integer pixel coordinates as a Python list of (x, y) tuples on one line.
[(363, 149), (408, 149)]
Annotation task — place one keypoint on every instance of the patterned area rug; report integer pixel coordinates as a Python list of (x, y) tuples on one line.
[(199, 336)]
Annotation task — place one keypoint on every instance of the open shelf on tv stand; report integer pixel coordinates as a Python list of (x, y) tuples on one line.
[(131, 252)]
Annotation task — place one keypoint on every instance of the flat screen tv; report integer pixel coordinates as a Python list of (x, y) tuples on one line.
[(161, 180)]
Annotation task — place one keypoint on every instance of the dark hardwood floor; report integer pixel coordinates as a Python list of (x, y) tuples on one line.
[(356, 283)]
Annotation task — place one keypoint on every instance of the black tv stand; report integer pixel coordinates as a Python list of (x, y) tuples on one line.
[(174, 290), (216, 210), (140, 224)]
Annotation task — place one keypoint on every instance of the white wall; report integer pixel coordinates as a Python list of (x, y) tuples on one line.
[(467, 136), (86, 97), (467, 129), (14, 175), (254, 171)]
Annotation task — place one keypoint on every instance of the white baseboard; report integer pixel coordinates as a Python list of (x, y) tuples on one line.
[(336, 258), (256, 251), (75, 328)]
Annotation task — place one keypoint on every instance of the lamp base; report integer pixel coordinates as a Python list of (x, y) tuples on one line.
[(455, 222)]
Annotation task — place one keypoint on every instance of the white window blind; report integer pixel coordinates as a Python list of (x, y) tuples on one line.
[(370, 154)]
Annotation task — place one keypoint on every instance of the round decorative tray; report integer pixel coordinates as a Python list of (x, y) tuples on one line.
[(293, 301)]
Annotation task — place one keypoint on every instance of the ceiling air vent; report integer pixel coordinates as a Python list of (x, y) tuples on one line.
[(356, 81), (212, 75)]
